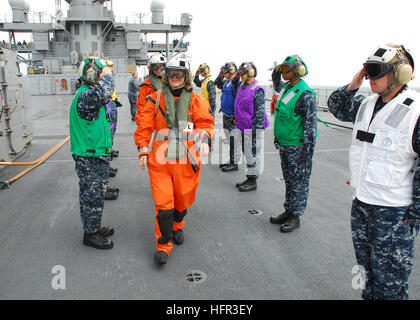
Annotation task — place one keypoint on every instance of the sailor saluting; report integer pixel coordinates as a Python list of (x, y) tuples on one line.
[(384, 166), (91, 146)]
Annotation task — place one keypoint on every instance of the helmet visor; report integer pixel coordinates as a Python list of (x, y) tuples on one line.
[(375, 70)]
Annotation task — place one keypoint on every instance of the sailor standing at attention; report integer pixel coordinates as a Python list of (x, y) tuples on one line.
[(295, 125), (91, 146), (385, 171), (228, 81), (251, 121), (208, 89)]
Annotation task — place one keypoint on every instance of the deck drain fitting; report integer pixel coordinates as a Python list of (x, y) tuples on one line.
[(255, 212), (196, 276)]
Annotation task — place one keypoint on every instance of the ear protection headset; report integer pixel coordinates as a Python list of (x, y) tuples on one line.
[(300, 68), (403, 70)]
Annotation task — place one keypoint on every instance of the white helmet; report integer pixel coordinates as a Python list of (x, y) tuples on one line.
[(157, 58), (178, 64)]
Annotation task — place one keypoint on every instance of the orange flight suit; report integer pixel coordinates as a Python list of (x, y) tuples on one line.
[(174, 182), (146, 89)]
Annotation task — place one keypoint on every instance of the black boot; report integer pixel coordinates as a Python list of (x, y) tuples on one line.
[(113, 190), (281, 218), (96, 240), (106, 231), (230, 168), (111, 195), (161, 257), (165, 219), (113, 172), (250, 185), (291, 224), (241, 183), (224, 165), (115, 153), (178, 237)]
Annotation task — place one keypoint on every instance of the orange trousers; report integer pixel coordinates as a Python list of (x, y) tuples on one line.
[(174, 186)]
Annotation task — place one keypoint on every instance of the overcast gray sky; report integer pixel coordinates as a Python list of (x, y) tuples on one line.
[(333, 37)]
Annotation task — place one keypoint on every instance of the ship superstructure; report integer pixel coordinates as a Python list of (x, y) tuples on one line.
[(90, 28)]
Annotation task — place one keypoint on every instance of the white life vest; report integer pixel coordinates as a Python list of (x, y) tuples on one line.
[(382, 159)]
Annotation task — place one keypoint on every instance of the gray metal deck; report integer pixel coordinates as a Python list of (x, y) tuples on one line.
[(242, 255)]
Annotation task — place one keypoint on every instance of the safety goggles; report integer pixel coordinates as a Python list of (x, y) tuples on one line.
[(157, 67), (176, 73), (375, 69), (285, 68)]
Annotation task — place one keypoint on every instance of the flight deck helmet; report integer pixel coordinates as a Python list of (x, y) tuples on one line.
[(180, 68), (230, 67), (204, 68), (91, 68), (249, 69), (393, 59), (157, 62), (295, 63)]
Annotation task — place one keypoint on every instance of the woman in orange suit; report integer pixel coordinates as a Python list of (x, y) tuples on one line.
[(179, 124)]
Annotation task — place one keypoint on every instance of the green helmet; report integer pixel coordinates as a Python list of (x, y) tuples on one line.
[(295, 63), (90, 69)]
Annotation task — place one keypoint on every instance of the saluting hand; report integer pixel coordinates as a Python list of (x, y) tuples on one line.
[(357, 81), (106, 70)]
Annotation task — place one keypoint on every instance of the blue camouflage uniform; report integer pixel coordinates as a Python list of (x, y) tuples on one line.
[(133, 94), (296, 160), (93, 172), (383, 237)]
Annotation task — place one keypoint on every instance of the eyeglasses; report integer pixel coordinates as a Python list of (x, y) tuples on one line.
[(375, 70), (176, 73)]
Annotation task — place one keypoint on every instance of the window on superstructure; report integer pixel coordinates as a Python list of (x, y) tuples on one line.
[(94, 29), (76, 30)]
